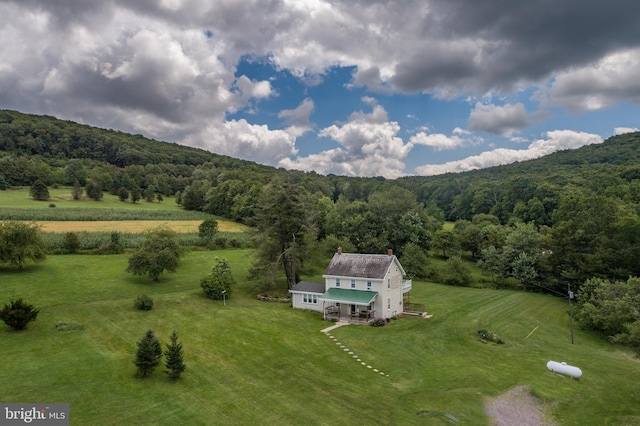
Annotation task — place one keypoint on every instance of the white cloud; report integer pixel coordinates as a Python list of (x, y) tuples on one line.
[(498, 120), (438, 141), (623, 130), (557, 140), (369, 147), (168, 69), (240, 139), (298, 118), (598, 85)]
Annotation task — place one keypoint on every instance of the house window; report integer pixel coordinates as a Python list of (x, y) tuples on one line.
[(388, 283), (368, 284), (309, 298), (337, 282), (353, 283), (388, 303)]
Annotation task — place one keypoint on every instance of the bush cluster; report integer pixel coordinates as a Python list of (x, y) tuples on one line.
[(379, 322), (488, 336), (143, 303)]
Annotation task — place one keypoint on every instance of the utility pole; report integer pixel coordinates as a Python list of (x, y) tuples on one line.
[(570, 310)]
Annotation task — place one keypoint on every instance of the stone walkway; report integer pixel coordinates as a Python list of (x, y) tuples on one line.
[(348, 351)]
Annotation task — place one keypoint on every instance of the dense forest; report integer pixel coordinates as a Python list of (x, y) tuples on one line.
[(567, 217)]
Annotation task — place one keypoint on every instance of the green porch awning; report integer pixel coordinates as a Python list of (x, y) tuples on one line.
[(353, 297)]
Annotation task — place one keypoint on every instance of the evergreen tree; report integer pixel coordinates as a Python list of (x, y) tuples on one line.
[(174, 361), (148, 354), (18, 314), (39, 191), (285, 222)]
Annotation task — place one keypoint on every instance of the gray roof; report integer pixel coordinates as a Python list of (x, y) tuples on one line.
[(374, 266), (309, 287)]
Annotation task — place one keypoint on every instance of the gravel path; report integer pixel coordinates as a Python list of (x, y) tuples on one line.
[(518, 407)]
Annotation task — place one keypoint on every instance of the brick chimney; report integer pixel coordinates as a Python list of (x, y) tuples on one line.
[(390, 252), (339, 250)]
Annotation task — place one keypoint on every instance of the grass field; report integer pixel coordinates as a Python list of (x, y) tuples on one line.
[(258, 363), (61, 197), (107, 215)]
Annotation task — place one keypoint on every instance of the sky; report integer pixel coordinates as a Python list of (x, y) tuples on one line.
[(348, 87)]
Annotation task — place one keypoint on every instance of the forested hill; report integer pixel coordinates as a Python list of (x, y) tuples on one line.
[(582, 206), (49, 137), (59, 152)]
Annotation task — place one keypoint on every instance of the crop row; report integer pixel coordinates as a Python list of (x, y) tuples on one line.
[(83, 214)]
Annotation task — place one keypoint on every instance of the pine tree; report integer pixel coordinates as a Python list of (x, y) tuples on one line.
[(148, 354), (173, 358)]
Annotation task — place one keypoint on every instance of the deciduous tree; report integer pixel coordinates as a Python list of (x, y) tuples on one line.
[(39, 191), (159, 252), (21, 243), (218, 284), (207, 230), (94, 190)]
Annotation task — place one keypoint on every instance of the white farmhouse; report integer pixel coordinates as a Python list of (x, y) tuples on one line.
[(357, 287)]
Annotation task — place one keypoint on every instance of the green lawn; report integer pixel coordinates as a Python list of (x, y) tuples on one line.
[(61, 197), (258, 363)]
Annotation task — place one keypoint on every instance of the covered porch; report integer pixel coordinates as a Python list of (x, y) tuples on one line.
[(355, 306)]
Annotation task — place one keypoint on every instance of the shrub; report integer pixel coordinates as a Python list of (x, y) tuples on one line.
[(488, 336), (379, 322), (143, 303), (52, 205), (18, 314)]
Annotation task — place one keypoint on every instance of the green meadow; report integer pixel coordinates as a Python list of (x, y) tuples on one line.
[(252, 362)]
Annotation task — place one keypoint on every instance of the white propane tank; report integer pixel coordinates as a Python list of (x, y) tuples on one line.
[(563, 368)]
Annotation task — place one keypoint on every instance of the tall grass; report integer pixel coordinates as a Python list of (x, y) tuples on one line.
[(93, 240)]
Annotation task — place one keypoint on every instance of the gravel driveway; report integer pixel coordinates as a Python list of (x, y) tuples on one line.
[(518, 407)]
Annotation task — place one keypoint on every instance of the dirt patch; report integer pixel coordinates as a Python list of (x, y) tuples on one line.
[(519, 407)]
